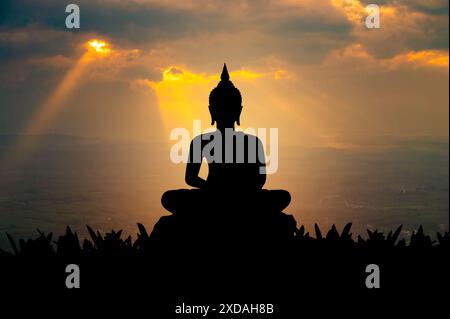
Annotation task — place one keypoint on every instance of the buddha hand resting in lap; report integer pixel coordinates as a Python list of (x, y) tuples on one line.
[(236, 164)]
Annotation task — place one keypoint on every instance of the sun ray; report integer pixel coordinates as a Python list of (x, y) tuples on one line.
[(55, 102)]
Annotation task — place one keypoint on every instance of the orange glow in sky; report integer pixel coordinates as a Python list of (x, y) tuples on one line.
[(183, 94), (99, 46)]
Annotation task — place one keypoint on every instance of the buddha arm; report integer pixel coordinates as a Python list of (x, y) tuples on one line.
[(193, 168), (261, 180), (261, 173), (192, 178)]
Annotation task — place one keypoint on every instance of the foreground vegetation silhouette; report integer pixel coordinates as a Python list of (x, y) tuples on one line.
[(297, 267), (113, 244)]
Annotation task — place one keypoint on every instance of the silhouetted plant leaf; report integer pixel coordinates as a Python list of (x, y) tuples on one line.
[(420, 231), (301, 231), (22, 244), (389, 235), (137, 242), (95, 238), (143, 231), (318, 233), (346, 230), (332, 233), (128, 241), (360, 240), (396, 234), (13, 244)]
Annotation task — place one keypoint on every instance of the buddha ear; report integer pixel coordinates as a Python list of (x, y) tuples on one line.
[(211, 111), (238, 121)]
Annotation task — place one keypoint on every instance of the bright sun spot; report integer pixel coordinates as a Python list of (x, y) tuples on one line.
[(100, 47)]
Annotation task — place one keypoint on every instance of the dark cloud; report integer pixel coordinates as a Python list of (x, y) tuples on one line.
[(145, 24), (20, 13), (134, 22), (33, 41)]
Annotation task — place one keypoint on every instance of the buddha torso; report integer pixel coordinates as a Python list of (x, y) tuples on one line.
[(235, 161)]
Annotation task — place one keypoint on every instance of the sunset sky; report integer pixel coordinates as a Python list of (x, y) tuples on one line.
[(309, 68)]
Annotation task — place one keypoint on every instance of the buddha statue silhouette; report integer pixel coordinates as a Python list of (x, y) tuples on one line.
[(236, 164)]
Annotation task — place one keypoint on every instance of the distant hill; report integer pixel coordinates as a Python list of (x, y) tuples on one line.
[(44, 138)]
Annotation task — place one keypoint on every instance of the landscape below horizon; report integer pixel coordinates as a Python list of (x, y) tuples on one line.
[(78, 181)]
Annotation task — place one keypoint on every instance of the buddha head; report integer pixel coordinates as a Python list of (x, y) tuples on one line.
[(225, 102)]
